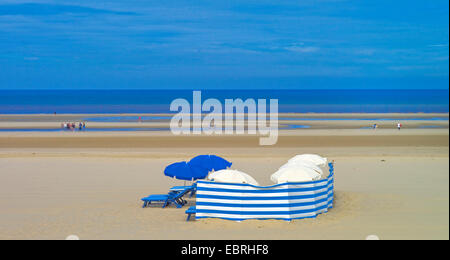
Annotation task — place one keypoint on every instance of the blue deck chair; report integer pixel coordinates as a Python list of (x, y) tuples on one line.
[(190, 211), (177, 189), (173, 197)]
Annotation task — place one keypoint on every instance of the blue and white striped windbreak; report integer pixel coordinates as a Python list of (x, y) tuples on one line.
[(282, 201)]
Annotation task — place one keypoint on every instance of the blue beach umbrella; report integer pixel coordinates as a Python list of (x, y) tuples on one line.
[(184, 171), (210, 162)]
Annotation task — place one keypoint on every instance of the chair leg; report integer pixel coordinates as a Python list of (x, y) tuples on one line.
[(178, 203)]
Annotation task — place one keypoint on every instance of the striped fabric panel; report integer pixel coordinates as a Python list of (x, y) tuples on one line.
[(282, 201)]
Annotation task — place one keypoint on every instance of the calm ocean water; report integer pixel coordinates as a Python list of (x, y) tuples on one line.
[(158, 101)]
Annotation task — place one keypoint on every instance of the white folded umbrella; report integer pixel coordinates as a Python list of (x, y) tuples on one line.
[(312, 158), (232, 176), (295, 174), (308, 164)]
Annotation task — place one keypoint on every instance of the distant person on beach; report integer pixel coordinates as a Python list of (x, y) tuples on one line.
[(399, 126), (80, 126), (84, 125), (375, 126)]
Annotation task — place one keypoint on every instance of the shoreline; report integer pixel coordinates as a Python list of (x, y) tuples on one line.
[(287, 122), (281, 114)]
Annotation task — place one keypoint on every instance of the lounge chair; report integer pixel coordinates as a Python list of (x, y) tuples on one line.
[(190, 211), (173, 197), (182, 188)]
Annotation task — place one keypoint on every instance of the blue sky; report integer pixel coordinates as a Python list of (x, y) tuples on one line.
[(306, 44)]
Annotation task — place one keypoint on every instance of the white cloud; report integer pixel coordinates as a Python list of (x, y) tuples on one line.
[(31, 58), (303, 49), (438, 45)]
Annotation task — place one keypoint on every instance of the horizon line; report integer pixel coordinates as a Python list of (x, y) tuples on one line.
[(209, 89)]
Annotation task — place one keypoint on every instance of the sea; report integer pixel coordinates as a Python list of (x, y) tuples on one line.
[(158, 101)]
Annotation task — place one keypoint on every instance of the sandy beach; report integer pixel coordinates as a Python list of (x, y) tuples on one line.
[(389, 183)]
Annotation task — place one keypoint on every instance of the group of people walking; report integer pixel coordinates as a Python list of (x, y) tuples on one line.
[(81, 126)]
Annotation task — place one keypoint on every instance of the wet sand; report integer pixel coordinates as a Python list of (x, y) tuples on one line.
[(310, 139)]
